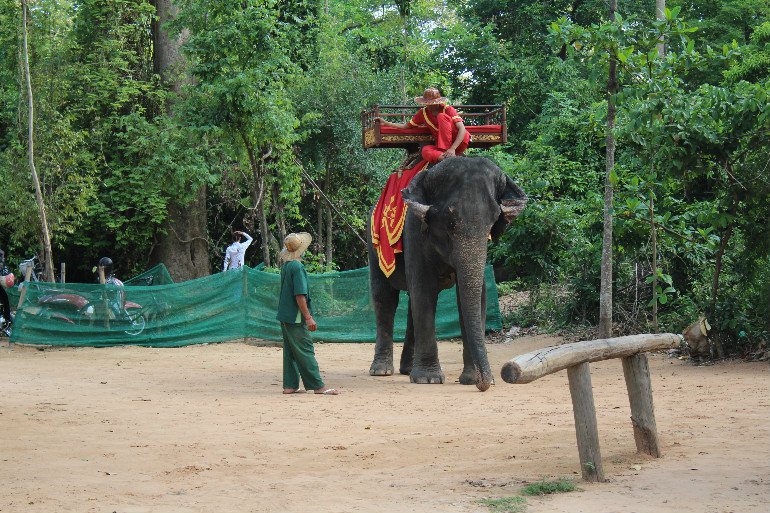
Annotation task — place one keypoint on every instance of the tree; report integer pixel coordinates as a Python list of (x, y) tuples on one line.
[(46, 235), (240, 62), (605, 290), (182, 244)]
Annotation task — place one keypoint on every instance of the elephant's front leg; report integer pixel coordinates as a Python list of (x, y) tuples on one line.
[(470, 374), (425, 367), (407, 353), (385, 302)]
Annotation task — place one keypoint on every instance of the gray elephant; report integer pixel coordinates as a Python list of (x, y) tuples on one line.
[(453, 208)]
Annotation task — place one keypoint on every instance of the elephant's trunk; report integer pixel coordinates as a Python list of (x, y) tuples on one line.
[(470, 290)]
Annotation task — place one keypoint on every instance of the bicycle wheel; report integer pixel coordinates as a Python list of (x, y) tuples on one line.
[(137, 322)]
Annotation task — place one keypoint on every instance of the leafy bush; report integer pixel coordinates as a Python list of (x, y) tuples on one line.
[(548, 487)]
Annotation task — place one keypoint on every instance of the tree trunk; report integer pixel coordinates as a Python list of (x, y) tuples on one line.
[(660, 14), (723, 241), (169, 63), (654, 237), (183, 244), (258, 214), (184, 249), (49, 277), (329, 246), (605, 292), (320, 225), (329, 235), (264, 229), (280, 217)]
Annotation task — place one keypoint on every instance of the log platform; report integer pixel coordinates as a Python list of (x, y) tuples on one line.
[(575, 358), (486, 124)]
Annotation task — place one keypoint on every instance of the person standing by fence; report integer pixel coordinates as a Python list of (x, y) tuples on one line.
[(235, 252), (294, 314)]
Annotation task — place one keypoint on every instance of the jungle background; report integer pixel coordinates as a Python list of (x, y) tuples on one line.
[(161, 126)]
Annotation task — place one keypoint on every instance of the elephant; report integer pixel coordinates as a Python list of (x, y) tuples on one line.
[(453, 209)]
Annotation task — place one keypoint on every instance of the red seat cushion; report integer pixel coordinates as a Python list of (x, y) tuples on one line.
[(484, 129)]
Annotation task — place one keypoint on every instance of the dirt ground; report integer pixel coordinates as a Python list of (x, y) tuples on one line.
[(206, 429)]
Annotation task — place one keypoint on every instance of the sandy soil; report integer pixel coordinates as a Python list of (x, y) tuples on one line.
[(206, 429)]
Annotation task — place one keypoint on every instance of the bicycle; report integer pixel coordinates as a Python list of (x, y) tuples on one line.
[(33, 265)]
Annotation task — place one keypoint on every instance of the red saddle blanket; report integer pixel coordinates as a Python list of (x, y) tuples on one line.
[(388, 217)]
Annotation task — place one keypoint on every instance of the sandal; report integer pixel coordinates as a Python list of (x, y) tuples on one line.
[(288, 391)]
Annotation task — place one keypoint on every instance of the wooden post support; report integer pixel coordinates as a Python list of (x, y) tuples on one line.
[(27, 277), (63, 272), (575, 357), (531, 366), (637, 374), (106, 305), (585, 422)]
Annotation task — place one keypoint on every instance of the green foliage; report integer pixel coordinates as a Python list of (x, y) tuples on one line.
[(544, 487), (272, 96), (506, 504)]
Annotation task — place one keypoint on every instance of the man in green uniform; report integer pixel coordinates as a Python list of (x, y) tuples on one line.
[(297, 321)]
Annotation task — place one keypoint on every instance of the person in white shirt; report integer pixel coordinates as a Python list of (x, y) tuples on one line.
[(237, 250)]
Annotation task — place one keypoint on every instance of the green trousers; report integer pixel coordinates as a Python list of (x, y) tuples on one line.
[(299, 358)]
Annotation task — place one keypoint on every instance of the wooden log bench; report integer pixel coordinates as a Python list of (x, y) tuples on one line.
[(485, 123), (575, 358)]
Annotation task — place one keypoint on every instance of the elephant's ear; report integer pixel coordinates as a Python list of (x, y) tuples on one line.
[(512, 202), (414, 196)]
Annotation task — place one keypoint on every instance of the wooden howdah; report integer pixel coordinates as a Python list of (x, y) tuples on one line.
[(486, 124)]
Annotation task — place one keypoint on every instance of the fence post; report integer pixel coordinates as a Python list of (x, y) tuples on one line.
[(637, 374), (105, 300), (27, 276), (586, 430)]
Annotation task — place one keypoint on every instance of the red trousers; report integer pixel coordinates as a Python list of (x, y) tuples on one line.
[(447, 132)]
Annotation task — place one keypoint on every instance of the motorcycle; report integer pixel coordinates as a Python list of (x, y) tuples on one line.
[(114, 311), (7, 281), (27, 268)]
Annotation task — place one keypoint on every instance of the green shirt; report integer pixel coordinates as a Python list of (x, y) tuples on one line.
[(293, 283)]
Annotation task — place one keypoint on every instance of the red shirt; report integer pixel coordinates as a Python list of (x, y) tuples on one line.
[(425, 118)]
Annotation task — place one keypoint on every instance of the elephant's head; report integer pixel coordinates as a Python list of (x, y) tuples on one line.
[(461, 203)]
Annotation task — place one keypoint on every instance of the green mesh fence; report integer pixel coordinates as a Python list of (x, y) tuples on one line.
[(13, 296), (233, 305), (157, 275)]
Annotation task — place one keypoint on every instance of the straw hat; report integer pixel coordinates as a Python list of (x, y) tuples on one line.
[(431, 96), (294, 245)]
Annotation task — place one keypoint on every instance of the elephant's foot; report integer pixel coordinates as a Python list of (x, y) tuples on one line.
[(426, 376), (407, 360), (471, 376), (381, 368)]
